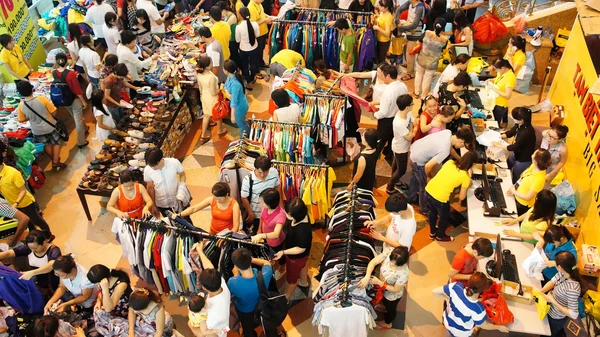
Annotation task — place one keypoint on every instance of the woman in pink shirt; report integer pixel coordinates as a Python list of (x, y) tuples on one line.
[(272, 219)]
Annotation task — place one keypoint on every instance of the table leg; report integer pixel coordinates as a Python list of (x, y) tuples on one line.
[(84, 204)]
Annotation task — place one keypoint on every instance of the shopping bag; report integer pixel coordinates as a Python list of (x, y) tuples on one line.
[(488, 28), (541, 304), (221, 109), (496, 307), (416, 49)]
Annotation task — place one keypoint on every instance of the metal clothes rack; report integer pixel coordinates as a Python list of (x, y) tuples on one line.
[(344, 112), (320, 166), (316, 23), (345, 298), (252, 120), (331, 11)]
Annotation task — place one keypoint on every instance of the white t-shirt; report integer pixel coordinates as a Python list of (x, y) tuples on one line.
[(112, 37), (153, 14), (218, 310), (351, 321), (95, 16), (387, 104), (107, 120), (79, 284), (165, 182), (402, 230), (133, 63), (241, 35), (344, 4), (378, 87), (74, 48), (290, 114), (435, 145), (401, 128), (91, 59), (447, 75)]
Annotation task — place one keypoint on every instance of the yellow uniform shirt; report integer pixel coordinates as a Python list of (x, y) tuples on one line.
[(530, 180), (239, 4), (384, 20), (257, 13), (518, 60), (222, 33), (15, 59), (503, 81), (11, 181), (287, 58), (446, 180)]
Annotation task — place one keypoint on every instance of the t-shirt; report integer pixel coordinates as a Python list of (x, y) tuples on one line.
[(461, 314), (299, 235), (530, 180), (566, 293), (435, 146), (465, 263), (72, 81), (288, 114), (107, 120), (112, 37), (347, 48), (384, 20), (218, 310), (387, 105), (446, 180), (165, 181), (447, 75), (393, 277), (79, 284), (401, 127), (241, 35), (270, 221), (115, 85), (503, 81), (551, 251), (7, 210), (245, 290), (133, 63), (95, 15), (214, 50), (287, 58), (528, 227), (402, 230), (518, 60), (36, 261), (257, 13), (11, 181), (272, 180), (73, 47), (15, 59), (91, 59), (222, 33), (153, 14), (43, 107)]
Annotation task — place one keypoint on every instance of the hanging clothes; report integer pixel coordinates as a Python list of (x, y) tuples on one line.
[(328, 113), (283, 141), (238, 162)]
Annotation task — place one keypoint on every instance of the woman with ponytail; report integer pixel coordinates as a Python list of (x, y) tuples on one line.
[(74, 46), (434, 43), (104, 121), (51, 326), (208, 83), (566, 288), (148, 306), (556, 239), (463, 35), (363, 173), (246, 33), (115, 289), (237, 96)]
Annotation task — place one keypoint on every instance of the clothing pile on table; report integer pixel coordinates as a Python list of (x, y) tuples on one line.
[(238, 162)]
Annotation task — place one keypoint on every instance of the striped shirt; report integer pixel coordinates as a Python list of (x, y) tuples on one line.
[(461, 314), (272, 180), (6, 210), (566, 293)]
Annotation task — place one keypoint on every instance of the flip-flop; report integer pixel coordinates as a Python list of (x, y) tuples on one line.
[(222, 133), (381, 327), (407, 77)]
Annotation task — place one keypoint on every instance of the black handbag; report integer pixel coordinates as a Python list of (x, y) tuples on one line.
[(59, 126)]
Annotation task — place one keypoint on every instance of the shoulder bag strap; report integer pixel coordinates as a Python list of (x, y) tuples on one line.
[(250, 184), (37, 114), (261, 282)]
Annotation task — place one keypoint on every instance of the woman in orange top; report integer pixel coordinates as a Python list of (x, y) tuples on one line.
[(130, 199), (225, 211)]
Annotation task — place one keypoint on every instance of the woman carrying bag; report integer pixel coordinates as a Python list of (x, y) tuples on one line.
[(208, 83)]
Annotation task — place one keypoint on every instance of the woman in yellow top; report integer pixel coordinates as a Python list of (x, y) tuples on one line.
[(537, 219), (440, 188), (13, 59), (383, 28), (531, 181), (515, 54), (503, 85)]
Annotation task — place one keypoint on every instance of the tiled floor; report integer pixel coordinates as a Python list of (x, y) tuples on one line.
[(92, 242)]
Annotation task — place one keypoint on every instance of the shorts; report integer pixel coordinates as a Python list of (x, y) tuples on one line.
[(79, 69), (293, 267), (52, 138)]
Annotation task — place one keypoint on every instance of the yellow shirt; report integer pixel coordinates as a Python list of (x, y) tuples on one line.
[(239, 4), (446, 180), (384, 20), (11, 181), (14, 58), (287, 58), (257, 13), (530, 180), (503, 81), (222, 33), (518, 60)]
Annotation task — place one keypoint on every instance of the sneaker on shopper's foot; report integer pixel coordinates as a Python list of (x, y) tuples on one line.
[(431, 236), (445, 239)]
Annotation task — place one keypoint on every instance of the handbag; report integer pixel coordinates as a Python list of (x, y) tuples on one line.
[(221, 109), (59, 126)]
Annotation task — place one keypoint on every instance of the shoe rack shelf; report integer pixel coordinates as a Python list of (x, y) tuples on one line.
[(179, 126)]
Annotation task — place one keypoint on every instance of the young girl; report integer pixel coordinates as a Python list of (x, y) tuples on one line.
[(90, 60), (429, 109), (105, 123), (440, 120), (147, 309), (111, 32), (108, 66), (74, 46), (536, 220), (272, 219), (143, 31), (365, 163)]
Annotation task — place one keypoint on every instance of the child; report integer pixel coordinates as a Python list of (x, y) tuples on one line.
[(366, 162), (104, 121), (402, 222), (108, 65), (197, 310), (464, 263), (404, 131), (440, 120), (347, 46)]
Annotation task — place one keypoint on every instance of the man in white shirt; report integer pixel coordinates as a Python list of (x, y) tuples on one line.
[(95, 16), (285, 111), (459, 64), (402, 224), (214, 50), (387, 110), (264, 176), (157, 22), (126, 55)]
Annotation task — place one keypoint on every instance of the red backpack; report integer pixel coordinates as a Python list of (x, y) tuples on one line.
[(495, 306), (37, 177)]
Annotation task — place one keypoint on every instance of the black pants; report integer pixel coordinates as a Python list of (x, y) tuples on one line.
[(471, 14), (390, 307), (35, 219), (385, 126), (165, 213), (248, 322), (557, 326), (249, 64), (521, 209), (438, 208), (235, 52), (382, 50), (398, 169), (500, 114), (262, 42)]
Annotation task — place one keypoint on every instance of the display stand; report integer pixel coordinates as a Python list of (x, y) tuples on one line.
[(327, 96)]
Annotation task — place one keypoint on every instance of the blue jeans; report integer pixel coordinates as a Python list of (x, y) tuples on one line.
[(418, 181), (557, 326), (517, 167), (95, 82), (438, 208)]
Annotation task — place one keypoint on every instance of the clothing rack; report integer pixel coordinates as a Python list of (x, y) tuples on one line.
[(320, 166), (344, 107), (251, 120), (345, 298), (315, 23), (331, 11), (160, 225)]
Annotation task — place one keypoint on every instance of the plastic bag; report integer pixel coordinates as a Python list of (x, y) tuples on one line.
[(565, 198), (541, 304), (488, 28), (520, 21), (496, 307)]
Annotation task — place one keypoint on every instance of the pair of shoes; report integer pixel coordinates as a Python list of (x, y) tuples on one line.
[(445, 239), (390, 192), (431, 236), (137, 162), (83, 145), (58, 166), (136, 134)]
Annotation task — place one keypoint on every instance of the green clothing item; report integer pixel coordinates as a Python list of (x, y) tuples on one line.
[(25, 157), (347, 47), (232, 27)]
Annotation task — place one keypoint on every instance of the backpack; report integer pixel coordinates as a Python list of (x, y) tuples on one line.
[(496, 307), (60, 93), (272, 307), (37, 178)]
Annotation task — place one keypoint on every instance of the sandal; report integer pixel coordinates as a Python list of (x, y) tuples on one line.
[(58, 166), (407, 77), (379, 326), (204, 139), (222, 133)]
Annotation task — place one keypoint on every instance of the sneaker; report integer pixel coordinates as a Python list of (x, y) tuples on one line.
[(144, 146), (140, 155), (445, 239), (137, 162), (136, 134), (132, 140), (431, 236), (147, 114)]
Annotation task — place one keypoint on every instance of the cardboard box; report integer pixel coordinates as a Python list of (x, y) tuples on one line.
[(589, 257), (478, 124), (510, 291)]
